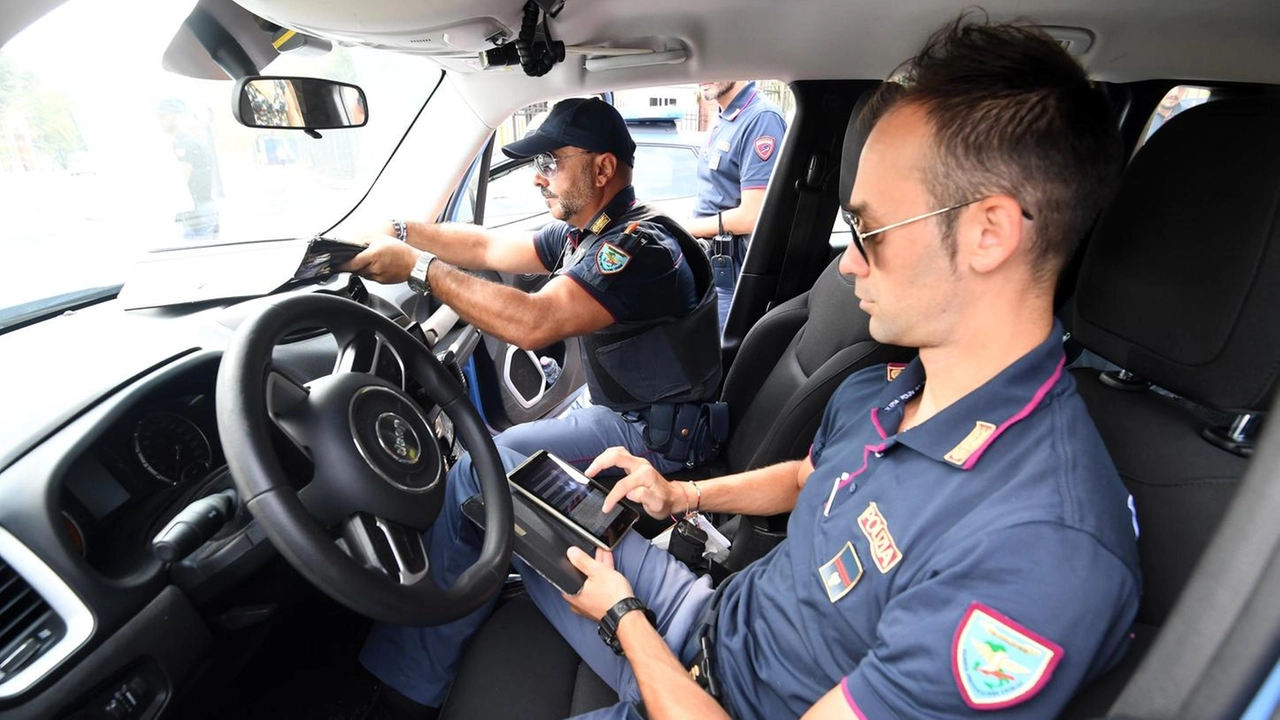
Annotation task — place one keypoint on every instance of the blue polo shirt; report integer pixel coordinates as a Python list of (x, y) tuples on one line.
[(740, 152), (982, 560), (635, 270)]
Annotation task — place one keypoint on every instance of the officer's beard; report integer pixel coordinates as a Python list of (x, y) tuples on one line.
[(718, 90), (573, 199)]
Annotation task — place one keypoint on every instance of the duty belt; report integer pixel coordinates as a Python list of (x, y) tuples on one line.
[(728, 245)]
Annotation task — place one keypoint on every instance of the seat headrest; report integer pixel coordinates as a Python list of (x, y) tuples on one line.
[(835, 320), (1181, 280), (865, 111)]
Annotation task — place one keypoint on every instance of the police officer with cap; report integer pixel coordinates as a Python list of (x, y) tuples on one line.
[(633, 284), (733, 172), (629, 281)]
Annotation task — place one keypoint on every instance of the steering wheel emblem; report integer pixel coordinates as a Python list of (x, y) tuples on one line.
[(398, 438)]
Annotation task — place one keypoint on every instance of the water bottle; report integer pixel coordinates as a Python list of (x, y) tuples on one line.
[(551, 369)]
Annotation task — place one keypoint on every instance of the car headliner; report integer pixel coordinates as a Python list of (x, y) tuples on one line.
[(1227, 40)]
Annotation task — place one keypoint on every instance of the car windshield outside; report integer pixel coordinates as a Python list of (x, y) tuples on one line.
[(105, 155)]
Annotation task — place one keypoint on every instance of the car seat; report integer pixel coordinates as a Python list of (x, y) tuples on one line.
[(1179, 286)]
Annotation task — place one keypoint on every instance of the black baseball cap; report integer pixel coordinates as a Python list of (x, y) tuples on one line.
[(589, 123)]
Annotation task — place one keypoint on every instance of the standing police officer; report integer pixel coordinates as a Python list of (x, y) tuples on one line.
[(732, 175), (629, 281)]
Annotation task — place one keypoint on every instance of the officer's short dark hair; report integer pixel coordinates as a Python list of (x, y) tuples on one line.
[(1013, 113)]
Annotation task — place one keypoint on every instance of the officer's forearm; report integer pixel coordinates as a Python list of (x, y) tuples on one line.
[(458, 244), (703, 227), (508, 314), (737, 221), (665, 685), (766, 491)]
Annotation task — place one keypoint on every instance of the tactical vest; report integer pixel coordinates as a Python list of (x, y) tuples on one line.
[(633, 365)]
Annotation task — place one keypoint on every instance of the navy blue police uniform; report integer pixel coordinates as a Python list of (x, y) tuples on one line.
[(661, 347), (980, 564), (982, 560), (740, 154), (637, 272)]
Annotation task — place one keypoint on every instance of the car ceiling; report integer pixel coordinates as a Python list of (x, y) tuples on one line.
[(1226, 40)]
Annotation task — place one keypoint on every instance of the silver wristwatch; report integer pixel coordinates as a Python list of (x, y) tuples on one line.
[(418, 275)]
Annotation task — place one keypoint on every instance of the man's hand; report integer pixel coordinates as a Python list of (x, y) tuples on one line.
[(642, 484), (604, 586), (386, 260)]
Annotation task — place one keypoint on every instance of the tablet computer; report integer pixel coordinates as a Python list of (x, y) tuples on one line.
[(573, 498), (539, 541)]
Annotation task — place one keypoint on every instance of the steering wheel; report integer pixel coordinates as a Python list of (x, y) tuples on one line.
[(379, 477)]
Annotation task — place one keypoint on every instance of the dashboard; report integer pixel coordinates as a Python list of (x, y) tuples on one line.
[(112, 433)]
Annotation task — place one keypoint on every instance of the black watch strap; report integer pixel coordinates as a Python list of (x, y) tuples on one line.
[(608, 629)]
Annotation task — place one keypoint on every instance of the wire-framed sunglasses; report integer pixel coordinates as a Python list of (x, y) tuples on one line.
[(860, 238), (548, 165)]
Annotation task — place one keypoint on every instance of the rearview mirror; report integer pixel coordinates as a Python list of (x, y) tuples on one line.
[(298, 103)]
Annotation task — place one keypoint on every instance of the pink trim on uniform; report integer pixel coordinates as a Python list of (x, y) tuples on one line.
[(875, 420), (736, 113), (753, 187), (866, 460), (1035, 400), (853, 704)]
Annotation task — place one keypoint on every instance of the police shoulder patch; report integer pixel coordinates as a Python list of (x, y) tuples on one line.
[(611, 259), (764, 147), (997, 662)]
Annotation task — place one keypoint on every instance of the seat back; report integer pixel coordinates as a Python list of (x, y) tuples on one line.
[(796, 356), (790, 364), (1179, 287)]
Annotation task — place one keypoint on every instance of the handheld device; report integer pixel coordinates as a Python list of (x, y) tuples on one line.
[(573, 498)]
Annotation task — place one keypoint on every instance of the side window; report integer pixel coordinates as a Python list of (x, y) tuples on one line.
[(467, 205), (514, 202), (671, 125), (1178, 99)]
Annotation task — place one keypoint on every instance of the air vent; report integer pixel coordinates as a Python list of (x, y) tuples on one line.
[(42, 621), (28, 626)]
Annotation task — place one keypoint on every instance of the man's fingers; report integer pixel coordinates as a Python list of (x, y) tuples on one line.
[(611, 457), (605, 558), (359, 262), (627, 487), (582, 561)]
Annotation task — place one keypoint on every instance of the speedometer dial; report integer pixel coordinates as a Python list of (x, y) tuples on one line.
[(171, 447)]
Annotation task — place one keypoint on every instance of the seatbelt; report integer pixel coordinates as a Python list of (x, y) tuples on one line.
[(809, 188)]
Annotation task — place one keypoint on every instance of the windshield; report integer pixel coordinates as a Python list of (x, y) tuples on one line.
[(104, 154)]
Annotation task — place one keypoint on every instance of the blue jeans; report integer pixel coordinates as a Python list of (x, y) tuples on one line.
[(420, 662)]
